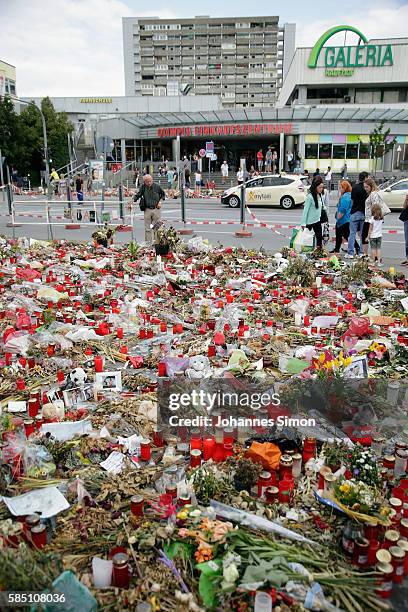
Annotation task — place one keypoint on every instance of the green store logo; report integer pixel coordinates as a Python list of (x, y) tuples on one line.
[(341, 61)]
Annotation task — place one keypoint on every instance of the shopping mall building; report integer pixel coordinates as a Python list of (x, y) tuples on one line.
[(332, 96)]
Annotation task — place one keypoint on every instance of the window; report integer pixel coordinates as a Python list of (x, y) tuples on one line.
[(339, 151), (352, 151), (364, 151), (147, 77), (255, 183), (325, 151), (391, 96), (274, 181), (311, 151), (403, 185), (366, 96), (241, 25)]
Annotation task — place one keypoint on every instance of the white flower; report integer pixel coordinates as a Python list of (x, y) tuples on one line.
[(231, 573)]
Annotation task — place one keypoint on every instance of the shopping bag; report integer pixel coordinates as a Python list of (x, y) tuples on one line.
[(302, 241)]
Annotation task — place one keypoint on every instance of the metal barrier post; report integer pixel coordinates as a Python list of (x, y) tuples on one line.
[(49, 226), (132, 221), (243, 232), (184, 231), (121, 209)]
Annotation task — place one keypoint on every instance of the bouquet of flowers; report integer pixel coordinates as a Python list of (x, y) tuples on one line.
[(166, 238), (363, 466)]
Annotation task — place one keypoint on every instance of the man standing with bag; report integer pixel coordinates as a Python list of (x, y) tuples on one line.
[(150, 195)]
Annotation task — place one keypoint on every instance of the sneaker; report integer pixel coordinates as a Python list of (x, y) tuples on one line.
[(349, 256), (404, 263)]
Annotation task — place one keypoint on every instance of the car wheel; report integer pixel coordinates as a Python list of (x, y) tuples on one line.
[(233, 201), (287, 202)]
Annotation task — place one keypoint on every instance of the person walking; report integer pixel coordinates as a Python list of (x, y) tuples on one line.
[(312, 210), (259, 157), (343, 172), (316, 172), (328, 179), (224, 171), (289, 159), (404, 218), (240, 176), (375, 233), (357, 213), (170, 178), (343, 217), (274, 162), (268, 160), (187, 177), (152, 195), (79, 186), (198, 180), (54, 180)]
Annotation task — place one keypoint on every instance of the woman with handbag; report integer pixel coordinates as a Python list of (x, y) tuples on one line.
[(343, 217), (404, 218), (312, 210)]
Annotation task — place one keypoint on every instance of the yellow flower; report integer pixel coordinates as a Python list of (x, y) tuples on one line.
[(345, 488)]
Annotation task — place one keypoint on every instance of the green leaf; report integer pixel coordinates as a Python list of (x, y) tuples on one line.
[(207, 587), (266, 572), (210, 568), (178, 549)]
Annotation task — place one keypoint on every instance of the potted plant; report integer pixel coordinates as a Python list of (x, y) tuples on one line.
[(246, 473), (104, 236), (335, 455), (165, 240)]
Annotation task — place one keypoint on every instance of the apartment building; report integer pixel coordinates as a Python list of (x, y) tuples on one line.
[(7, 79), (241, 59)]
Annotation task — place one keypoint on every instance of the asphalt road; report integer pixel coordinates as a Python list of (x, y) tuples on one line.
[(33, 224)]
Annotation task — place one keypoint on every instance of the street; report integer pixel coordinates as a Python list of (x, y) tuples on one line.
[(218, 223)]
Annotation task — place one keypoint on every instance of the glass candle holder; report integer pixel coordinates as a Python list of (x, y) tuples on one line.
[(145, 450)]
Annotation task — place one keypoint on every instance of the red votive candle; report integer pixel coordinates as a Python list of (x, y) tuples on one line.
[(29, 427), (124, 350), (136, 505), (211, 350), (119, 333), (51, 350), (208, 448), (195, 458), (158, 438), (145, 450), (20, 384), (39, 536), (31, 363), (161, 369), (9, 357), (98, 363), (60, 376), (33, 407)]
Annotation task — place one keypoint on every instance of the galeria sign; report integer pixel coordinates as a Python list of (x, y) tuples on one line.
[(347, 58)]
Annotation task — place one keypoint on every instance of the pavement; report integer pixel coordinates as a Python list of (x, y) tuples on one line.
[(206, 217)]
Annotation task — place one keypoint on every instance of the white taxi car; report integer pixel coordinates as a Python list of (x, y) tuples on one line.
[(395, 193), (286, 191)]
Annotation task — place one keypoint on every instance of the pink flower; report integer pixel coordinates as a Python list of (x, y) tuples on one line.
[(183, 533)]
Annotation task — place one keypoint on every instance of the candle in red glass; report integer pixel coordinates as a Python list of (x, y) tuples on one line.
[(208, 448), (119, 333), (285, 490), (229, 298), (124, 350), (142, 333), (39, 536), (163, 327), (88, 351), (31, 363), (145, 451), (211, 350), (60, 376), (136, 505), (51, 350), (271, 494), (23, 361), (158, 438), (195, 439), (161, 368), (397, 562), (228, 451), (29, 427), (98, 363), (218, 454), (264, 481), (120, 570), (20, 384), (228, 435), (195, 458), (150, 333), (9, 357), (38, 422), (33, 407)]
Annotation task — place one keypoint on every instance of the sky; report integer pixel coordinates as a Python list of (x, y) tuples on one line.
[(74, 47)]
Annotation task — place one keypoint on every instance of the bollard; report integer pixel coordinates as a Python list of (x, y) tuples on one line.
[(243, 232), (184, 231), (121, 208)]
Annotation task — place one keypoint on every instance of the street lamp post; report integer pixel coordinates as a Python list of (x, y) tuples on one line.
[(44, 127)]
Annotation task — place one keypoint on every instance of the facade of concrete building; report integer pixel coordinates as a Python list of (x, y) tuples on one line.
[(241, 59), (8, 84)]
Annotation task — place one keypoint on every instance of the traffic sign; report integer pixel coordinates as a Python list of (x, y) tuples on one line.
[(209, 147), (201, 152)]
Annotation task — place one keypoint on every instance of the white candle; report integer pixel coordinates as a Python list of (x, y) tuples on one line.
[(298, 319)]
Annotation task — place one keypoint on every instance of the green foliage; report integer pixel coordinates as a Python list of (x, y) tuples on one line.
[(380, 142), (21, 136)]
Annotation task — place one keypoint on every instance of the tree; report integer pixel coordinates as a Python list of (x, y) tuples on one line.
[(58, 126), (380, 143), (10, 132)]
